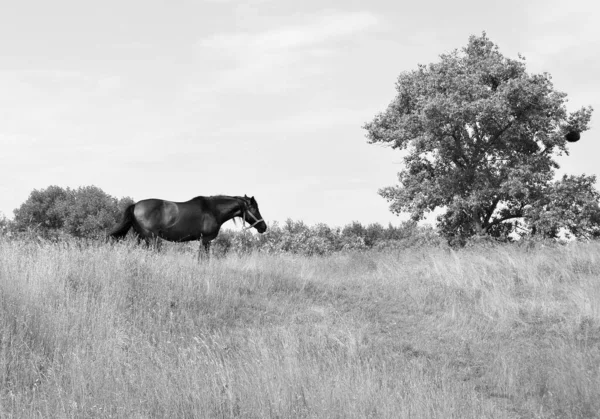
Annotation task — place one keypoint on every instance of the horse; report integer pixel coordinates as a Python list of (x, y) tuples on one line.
[(200, 218)]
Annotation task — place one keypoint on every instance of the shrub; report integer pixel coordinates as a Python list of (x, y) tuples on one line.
[(298, 238), (85, 212)]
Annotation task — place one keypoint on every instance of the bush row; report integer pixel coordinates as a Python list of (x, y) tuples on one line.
[(290, 237), (320, 239)]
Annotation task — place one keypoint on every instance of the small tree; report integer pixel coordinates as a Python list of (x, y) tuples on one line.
[(89, 211), (84, 212), (42, 210), (481, 136)]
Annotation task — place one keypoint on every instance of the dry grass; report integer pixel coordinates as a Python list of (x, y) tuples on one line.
[(125, 333)]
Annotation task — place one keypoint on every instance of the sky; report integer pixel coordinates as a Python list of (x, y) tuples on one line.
[(157, 99)]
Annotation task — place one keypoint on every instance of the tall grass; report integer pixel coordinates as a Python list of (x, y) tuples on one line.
[(118, 331)]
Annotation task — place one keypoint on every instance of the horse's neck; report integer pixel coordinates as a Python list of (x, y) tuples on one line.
[(228, 209)]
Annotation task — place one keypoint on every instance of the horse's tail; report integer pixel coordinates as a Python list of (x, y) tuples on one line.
[(121, 230)]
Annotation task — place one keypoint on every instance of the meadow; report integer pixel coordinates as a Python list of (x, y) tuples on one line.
[(116, 331)]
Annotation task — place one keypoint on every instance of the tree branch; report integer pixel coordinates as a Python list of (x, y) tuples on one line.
[(491, 212), (518, 214), (497, 136), (460, 150)]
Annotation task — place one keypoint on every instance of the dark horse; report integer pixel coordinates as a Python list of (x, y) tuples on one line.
[(199, 218)]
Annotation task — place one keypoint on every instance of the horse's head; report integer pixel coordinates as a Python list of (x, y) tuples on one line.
[(251, 214)]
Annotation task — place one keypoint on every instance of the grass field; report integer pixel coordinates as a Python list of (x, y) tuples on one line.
[(121, 332)]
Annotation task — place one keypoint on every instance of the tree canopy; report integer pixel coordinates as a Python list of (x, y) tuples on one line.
[(480, 137), (83, 212)]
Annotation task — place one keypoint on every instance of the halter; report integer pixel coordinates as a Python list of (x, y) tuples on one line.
[(256, 221)]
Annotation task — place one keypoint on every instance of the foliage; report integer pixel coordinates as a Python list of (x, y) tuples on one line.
[(570, 206), (89, 211), (42, 210), (481, 136), (299, 238), (4, 224), (83, 212)]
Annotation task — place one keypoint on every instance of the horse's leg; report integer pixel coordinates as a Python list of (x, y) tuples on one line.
[(206, 252), (154, 243)]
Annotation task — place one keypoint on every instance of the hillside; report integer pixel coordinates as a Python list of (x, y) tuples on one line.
[(121, 332)]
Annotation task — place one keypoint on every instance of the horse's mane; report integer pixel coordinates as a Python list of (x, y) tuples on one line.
[(218, 197), (227, 197)]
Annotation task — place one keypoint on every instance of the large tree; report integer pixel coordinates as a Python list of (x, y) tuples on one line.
[(480, 137)]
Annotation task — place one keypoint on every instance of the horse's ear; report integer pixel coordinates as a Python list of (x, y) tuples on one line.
[(253, 201), (245, 196)]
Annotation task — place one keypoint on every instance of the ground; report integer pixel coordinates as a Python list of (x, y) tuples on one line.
[(119, 331)]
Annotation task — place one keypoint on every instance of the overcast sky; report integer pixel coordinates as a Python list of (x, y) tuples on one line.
[(260, 97)]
